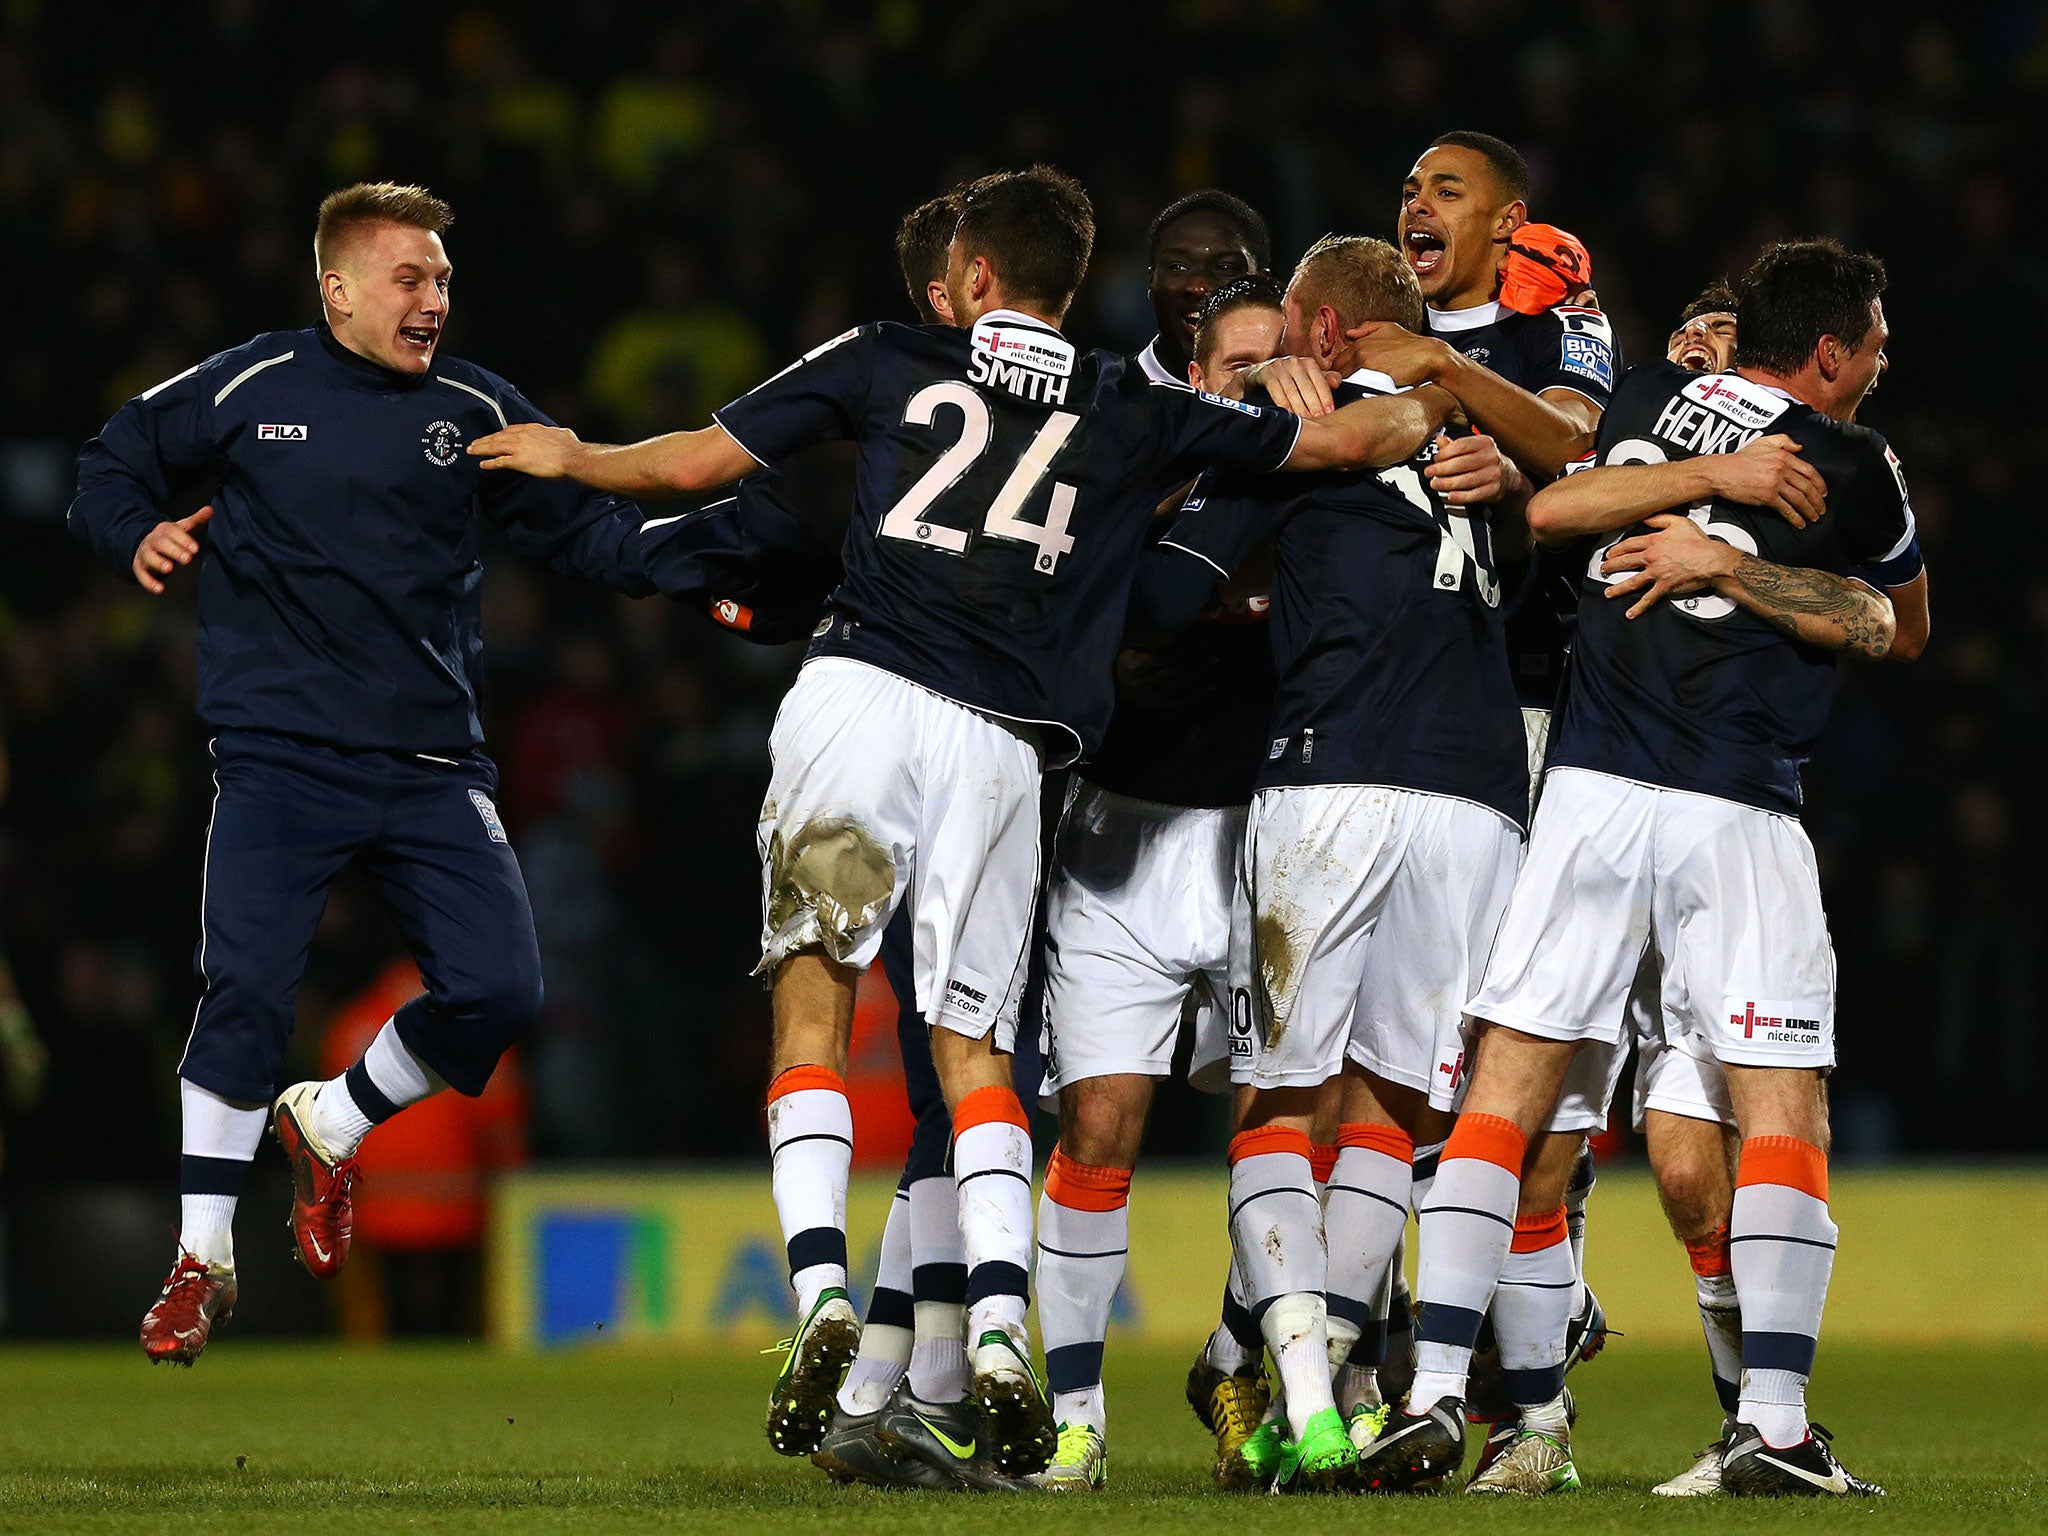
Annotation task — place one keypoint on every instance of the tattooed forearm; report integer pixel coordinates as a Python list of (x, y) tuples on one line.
[(1816, 607)]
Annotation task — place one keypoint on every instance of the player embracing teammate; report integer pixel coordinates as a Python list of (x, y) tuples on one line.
[(1669, 833)]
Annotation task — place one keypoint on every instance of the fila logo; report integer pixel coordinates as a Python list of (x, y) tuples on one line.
[(266, 433)]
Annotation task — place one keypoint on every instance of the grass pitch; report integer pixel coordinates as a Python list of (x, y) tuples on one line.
[(328, 1440)]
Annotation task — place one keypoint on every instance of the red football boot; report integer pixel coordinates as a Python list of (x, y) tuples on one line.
[(195, 1298), (323, 1212)]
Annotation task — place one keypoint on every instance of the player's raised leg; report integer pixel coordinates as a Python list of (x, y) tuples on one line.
[(286, 819)]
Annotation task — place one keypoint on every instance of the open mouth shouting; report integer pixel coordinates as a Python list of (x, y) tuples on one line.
[(1425, 249), (419, 339)]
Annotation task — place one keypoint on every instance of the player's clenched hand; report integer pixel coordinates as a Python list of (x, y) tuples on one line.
[(166, 547), (547, 453), (1396, 351), (1470, 470), (1769, 472), (1297, 384), (1676, 560)]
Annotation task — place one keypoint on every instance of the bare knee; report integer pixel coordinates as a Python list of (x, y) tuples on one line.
[(813, 1003), (1102, 1119)]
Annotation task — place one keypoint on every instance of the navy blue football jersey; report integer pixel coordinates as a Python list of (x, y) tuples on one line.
[(1569, 347), (1700, 694), (1193, 731), (1386, 629), (1004, 484)]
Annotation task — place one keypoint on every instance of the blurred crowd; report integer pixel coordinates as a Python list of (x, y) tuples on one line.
[(656, 206)]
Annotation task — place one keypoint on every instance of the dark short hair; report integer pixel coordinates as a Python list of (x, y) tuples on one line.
[(1249, 221), (1717, 298), (1798, 291), (1506, 160), (1037, 228), (921, 241), (1256, 292), (1362, 278)]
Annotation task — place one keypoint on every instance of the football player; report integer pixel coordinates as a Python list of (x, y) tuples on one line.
[(1702, 674), (1381, 841), (1006, 482), (1197, 245), (1139, 899), (1533, 368), (1681, 1095)]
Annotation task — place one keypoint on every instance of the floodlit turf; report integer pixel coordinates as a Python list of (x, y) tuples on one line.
[(323, 1440)]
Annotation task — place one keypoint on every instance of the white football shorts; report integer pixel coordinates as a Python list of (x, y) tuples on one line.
[(1726, 898), (1372, 911), (1137, 931), (1675, 1069), (882, 791)]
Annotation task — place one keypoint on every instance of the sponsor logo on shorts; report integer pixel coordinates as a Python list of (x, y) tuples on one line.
[(966, 999), (1241, 1023), (279, 433), (1454, 1069), (489, 813), (1774, 1024)]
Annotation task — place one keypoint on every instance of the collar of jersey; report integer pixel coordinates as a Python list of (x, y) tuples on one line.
[(1014, 317), (385, 378), (1378, 383), (1782, 394), (1464, 319), (1153, 369)]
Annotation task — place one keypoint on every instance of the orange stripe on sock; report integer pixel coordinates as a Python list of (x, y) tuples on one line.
[(1322, 1162), (1270, 1138), (1390, 1139), (1709, 1254), (1489, 1138), (1535, 1233), (1784, 1160), (796, 1079), (986, 1105), (1083, 1187)]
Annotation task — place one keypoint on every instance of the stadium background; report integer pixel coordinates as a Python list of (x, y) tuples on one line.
[(653, 212)]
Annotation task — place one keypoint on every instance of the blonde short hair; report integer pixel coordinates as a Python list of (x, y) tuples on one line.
[(344, 213), (1361, 278)]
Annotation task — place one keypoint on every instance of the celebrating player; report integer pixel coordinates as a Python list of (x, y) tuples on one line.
[(1701, 678), (1006, 483), (1197, 245), (1139, 901), (1382, 838), (1681, 1095), (339, 634)]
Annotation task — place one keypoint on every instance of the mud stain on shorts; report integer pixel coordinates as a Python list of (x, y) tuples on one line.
[(833, 869), (1274, 951)]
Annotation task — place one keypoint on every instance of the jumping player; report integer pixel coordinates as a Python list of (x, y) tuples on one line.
[(339, 634)]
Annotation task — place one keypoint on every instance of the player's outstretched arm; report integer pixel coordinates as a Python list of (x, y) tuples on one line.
[(1767, 472), (1836, 613), (1374, 433), (677, 463), (1541, 433)]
